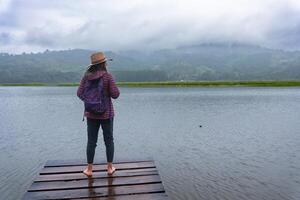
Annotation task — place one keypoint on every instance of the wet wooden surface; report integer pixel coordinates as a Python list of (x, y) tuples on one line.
[(132, 180)]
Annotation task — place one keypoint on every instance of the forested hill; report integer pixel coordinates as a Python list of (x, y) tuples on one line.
[(199, 62)]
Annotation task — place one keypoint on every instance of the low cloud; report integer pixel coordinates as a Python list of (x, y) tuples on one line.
[(34, 25)]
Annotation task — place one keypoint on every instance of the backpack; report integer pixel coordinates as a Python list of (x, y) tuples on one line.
[(94, 98)]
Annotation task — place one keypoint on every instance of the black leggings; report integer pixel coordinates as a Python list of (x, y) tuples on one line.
[(93, 126)]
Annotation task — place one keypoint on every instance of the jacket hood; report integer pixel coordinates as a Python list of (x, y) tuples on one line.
[(95, 75)]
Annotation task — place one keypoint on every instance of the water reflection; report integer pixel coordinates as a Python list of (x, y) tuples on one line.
[(91, 190), (92, 194), (110, 188)]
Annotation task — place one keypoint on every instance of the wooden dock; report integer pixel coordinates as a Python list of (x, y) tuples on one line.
[(131, 181)]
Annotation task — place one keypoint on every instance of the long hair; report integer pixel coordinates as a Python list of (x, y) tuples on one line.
[(96, 67)]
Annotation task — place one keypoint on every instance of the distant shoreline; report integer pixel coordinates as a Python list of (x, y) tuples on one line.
[(287, 83)]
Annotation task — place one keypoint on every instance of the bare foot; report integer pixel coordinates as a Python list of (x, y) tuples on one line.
[(88, 172), (111, 170)]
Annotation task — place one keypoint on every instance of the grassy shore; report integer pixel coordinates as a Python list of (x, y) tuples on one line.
[(178, 84), (212, 83), (24, 84)]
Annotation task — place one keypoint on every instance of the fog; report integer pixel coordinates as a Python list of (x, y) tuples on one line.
[(34, 25)]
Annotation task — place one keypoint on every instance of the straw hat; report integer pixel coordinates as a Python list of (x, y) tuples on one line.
[(97, 58)]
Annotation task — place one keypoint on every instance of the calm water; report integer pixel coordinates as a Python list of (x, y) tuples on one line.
[(247, 148)]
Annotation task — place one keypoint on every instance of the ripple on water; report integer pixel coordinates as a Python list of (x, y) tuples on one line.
[(247, 148)]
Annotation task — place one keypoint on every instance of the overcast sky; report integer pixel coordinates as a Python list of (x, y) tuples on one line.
[(36, 25)]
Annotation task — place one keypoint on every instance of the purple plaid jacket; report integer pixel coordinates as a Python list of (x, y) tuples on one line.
[(110, 89)]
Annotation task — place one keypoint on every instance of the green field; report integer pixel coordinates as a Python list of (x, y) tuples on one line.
[(212, 83), (24, 84), (179, 84)]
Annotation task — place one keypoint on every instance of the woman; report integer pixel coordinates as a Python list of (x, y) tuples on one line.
[(97, 71)]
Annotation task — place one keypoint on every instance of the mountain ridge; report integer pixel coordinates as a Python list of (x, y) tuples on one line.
[(207, 61)]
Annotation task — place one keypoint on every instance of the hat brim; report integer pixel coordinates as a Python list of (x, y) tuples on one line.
[(102, 61)]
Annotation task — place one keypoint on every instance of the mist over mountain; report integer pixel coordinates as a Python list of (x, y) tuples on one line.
[(210, 61)]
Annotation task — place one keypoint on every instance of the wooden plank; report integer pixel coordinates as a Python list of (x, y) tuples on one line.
[(95, 192), (78, 162), (133, 180), (93, 183), (79, 169), (81, 176), (151, 196)]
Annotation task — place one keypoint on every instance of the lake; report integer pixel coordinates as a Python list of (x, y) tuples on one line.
[(208, 142)]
